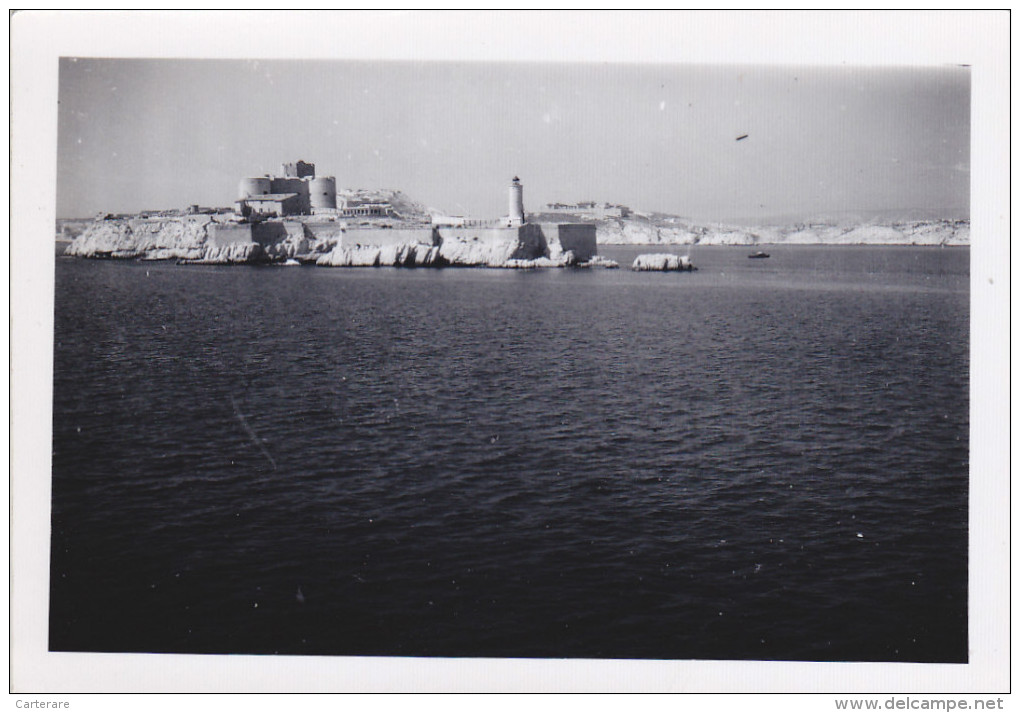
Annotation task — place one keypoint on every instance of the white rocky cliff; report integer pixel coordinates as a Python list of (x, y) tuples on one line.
[(642, 229), (221, 239)]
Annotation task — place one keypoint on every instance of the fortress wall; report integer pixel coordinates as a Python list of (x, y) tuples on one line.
[(265, 233), (294, 185), (282, 240), (524, 242), (386, 237), (268, 232), (221, 235), (289, 185), (324, 231), (494, 234), (578, 237), (295, 230), (490, 246)]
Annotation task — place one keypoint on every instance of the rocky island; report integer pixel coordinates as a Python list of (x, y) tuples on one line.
[(300, 217)]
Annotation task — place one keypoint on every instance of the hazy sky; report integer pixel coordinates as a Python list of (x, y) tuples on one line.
[(143, 134)]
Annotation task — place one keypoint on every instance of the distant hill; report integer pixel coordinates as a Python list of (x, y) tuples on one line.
[(851, 217), (664, 229)]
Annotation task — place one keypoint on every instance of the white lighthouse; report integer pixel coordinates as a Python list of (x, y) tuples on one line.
[(516, 215)]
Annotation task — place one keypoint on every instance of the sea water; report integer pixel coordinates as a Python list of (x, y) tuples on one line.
[(763, 459)]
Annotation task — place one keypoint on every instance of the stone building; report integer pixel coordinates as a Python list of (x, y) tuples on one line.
[(270, 205), (306, 193), (589, 209)]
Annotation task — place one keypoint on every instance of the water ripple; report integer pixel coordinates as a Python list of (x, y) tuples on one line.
[(732, 463)]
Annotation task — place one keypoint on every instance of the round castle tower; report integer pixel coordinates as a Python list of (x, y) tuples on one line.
[(516, 202), (322, 192), (249, 187)]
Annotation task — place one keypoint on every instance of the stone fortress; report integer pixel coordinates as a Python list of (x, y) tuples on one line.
[(268, 204), (298, 216), (297, 191)]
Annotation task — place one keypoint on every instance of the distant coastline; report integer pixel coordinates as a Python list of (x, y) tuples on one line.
[(658, 229), (670, 230)]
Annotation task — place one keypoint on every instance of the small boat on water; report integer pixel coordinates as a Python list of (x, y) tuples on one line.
[(291, 262), (758, 254)]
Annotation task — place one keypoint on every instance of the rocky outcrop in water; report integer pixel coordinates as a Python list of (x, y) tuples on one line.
[(215, 239), (204, 239), (406, 255), (599, 261), (495, 251), (141, 238), (236, 253), (662, 262), (293, 241), (424, 255), (186, 239), (566, 259)]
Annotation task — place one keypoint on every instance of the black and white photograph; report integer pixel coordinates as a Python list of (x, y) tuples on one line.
[(515, 357)]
